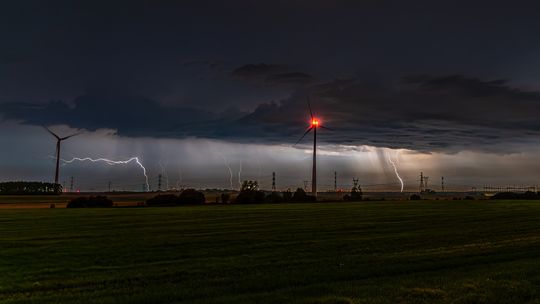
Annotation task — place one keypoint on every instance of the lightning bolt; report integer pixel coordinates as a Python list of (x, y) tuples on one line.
[(395, 170), (240, 176), (179, 180), (230, 170), (111, 163)]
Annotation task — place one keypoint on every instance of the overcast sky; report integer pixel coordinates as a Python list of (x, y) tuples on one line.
[(192, 88)]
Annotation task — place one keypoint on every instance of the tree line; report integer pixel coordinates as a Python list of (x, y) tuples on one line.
[(29, 188), (249, 194)]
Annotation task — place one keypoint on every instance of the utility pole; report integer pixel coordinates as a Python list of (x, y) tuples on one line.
[(442, 183), (421, 189), (159, 183), (71, 184), (335, 181), (109, 186), (273, 181)]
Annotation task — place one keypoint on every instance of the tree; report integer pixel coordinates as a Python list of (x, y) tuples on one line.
[(32, 188), (250, 194), (287, 195), (250, 185), (301, 196), (355, 195)]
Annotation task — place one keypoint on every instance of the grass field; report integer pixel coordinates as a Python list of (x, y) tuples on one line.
[(372, 252)]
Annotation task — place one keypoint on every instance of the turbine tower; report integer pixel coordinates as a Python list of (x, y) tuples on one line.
[(58, 141), (314, 125)]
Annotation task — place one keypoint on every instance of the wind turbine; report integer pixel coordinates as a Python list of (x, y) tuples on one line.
[(58, 141), (314, 125)]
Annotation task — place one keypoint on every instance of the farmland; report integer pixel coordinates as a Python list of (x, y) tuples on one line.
[(368, 252)]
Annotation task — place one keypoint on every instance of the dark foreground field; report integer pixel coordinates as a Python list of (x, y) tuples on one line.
[(376, 252)]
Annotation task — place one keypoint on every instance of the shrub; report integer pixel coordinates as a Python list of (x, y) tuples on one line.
[(355, 196), (90, 202), (225, 198), (164, 200), (415, 197), (274, 197), (191, 196), (513, 195), (250, 197), (301, 196), (287, 195)]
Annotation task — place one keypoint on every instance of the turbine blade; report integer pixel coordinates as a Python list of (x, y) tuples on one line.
[(305, 133), (321, 126), (52, 133), (63, 138), (309, 106)]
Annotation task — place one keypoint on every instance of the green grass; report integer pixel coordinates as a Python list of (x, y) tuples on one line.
[(373, 252)]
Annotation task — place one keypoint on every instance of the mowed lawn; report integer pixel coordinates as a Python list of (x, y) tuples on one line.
[(370, 252)]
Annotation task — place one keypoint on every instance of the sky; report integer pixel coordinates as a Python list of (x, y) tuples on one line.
[(201, 91)]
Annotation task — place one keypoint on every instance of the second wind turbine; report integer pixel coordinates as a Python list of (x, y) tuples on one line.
[(58, 144), (314, 125)]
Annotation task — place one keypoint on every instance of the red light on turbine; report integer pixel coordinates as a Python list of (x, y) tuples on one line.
[(315, 122)]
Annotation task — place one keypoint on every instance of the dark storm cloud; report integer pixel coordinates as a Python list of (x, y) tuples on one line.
[(261, 70), (12, 56), (271, 74), (188, 59), (130, 115), (422, 113), (293, 77), (212, 64)]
